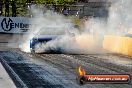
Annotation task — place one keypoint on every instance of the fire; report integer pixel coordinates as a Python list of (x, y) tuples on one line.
[(81, 71)]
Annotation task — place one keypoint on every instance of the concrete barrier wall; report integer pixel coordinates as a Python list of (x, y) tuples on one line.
[(118, 44), (9, 40)]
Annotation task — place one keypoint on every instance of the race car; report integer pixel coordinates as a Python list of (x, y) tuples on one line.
[(43, 38)]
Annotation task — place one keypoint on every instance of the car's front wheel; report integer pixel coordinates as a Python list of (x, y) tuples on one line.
[(32, 49)]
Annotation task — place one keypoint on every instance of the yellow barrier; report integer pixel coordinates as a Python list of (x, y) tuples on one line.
[(118, 44)]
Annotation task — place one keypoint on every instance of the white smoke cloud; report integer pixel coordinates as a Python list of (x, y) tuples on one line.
[(46, 23), (90, 40), (120, 18)]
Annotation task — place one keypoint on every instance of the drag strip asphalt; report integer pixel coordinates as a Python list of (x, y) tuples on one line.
[(60, 70)]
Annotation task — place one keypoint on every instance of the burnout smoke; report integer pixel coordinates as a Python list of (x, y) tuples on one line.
[(120, 18), (91, 38), (118, 23), (46, 22)]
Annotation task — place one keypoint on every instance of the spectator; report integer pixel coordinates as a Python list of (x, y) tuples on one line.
[(65, 11)]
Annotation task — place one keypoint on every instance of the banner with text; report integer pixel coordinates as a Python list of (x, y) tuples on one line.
[(15, 24)]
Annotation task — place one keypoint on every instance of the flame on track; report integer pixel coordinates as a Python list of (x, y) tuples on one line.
[(81, 71)]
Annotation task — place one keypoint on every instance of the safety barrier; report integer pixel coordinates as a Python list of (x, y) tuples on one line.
[(118, 44)]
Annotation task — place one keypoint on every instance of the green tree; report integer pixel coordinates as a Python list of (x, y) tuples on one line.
[(22, 4)]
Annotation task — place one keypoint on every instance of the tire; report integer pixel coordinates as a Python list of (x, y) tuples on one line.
[(32, 49)]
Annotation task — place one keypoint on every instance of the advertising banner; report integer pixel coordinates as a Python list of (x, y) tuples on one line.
[(15, 24)]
